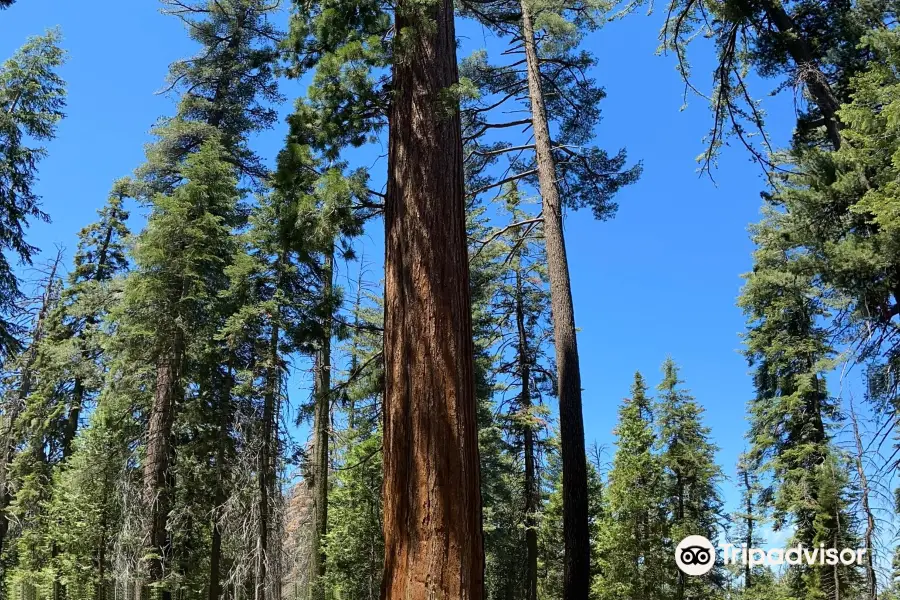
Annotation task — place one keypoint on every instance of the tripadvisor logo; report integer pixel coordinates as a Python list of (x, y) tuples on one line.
[(695, 555)]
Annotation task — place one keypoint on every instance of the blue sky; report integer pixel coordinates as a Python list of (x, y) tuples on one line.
[(661, 279)]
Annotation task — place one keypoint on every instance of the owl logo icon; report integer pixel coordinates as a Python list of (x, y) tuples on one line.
[(695, 555)]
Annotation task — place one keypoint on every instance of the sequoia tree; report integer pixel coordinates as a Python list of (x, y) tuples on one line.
[(432, 503), (432, 499)]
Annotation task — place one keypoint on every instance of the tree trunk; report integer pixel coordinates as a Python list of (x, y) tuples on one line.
[(748, 541), (78, 391), (531, 488), (432, 497), (871, 579), (71, 426), (815, 80), (577, 562), (835, 570), (160, 456), (215, 551), (322, 429), (266, 476), (679, 519)]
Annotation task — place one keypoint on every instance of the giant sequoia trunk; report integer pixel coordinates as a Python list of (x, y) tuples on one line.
[(321, 427), (432, 496), (577, 562), (531, 488)]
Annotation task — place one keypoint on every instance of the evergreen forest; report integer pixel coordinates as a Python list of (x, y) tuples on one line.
[(226, 390)]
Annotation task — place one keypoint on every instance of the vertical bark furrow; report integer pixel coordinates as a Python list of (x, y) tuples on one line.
[(432, 497)]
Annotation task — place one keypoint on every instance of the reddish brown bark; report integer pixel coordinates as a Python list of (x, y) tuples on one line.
[(577, 562), (432, 497)]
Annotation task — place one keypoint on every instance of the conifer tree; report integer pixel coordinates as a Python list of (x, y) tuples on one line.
[(526, 290), (550, 534), (511, 335), (32, 98), (838, 213), (690, 481), (18, 384), (88, 513), (68, 375), (866, 505), (793, 417), (636, 525), (429, 386), (332, 212), (551, 564), (354, 544), (749, 519), (225, 89), (166, 310), (813, 46), (421, 193), (561, 167)]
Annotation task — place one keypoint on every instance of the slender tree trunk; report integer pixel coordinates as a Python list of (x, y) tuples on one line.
[(432, 496), (101, 545), (158, 482), (871, 579), (835, 570), (748, 541), (322, 430), (71, 426), (266, 476), (531, 500), (215, 551), (577, 563), (100, 589)]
